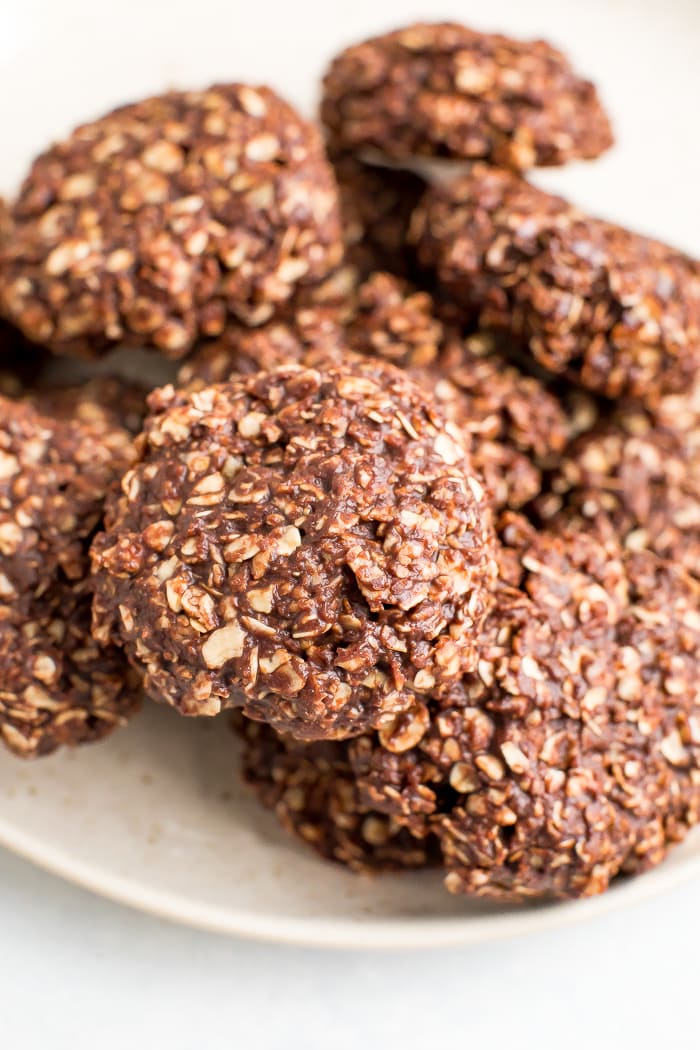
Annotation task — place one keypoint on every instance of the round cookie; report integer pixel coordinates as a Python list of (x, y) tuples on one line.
[(571, 756), (59, 455), (158, 223), (444, 90), (313, 793), (617, 312), (311, 545)]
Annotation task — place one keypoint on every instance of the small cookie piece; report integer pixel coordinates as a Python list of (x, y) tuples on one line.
[(54, 475), (59, 686), (571, 755), (635, 479), (376, 204), (312, 545), (616, 311), (313, 793), (445, 90), (156, 224)]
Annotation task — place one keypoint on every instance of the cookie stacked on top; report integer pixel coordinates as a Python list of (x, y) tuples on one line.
[(418, 505)]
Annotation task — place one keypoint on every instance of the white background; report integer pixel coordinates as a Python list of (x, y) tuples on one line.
[(79, 972)]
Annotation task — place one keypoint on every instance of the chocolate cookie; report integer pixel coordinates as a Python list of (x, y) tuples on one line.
[(447, 91), (313, 792), (58, 457), (160, 222), (635, 478), (571, 755), (616, 311), (312, 545)]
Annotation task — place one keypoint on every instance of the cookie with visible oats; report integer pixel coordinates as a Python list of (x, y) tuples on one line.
[(635, 479), (312, 545), (59, 455), (445, 90), (570, 756), (312, 790), (615, 311), (159, 223)]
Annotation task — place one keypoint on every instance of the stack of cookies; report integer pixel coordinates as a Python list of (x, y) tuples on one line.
[(420, 504)]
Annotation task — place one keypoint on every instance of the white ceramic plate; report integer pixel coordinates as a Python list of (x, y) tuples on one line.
[(156, 817)]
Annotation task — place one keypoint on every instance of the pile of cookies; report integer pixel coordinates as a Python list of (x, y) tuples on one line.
[(421, 503)]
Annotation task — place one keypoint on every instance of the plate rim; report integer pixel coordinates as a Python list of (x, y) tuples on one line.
[(343, 934)]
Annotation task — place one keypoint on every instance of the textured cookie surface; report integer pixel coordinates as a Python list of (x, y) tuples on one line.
[(59, 454), (159, 222), (568, 757), (310, 544), (445, 90), (618, 312)]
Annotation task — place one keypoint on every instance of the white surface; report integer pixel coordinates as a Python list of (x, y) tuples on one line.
[(78, 973), (63, 62)]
